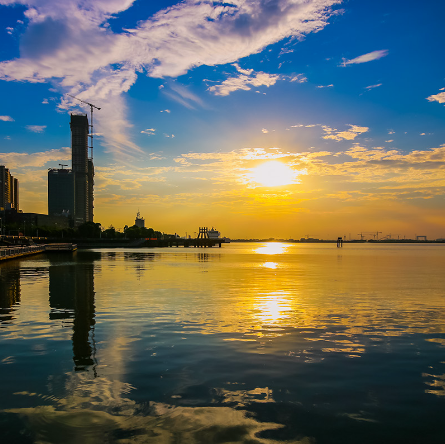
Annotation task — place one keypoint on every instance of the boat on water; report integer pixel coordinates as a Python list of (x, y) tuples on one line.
[(215, 234)]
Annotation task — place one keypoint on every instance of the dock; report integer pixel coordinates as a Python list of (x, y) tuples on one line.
[(14, 252), (60, 247)]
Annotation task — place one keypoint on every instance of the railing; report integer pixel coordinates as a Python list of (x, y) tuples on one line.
[(6, 252)]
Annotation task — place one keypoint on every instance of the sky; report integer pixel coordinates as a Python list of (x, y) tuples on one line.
[(262, 118)]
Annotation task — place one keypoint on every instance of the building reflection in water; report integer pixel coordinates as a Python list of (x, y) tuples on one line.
[(9, 292), (71, 295)]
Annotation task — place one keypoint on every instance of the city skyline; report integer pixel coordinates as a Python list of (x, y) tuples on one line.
[(264, 119)]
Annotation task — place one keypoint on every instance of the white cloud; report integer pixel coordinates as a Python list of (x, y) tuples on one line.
[(36, 128), (165, 111), (6, 119), (370, 56), (45, 101), (325, 86), (389, 141), (265, 131), (437, 98), (9, 30), (149, 131)]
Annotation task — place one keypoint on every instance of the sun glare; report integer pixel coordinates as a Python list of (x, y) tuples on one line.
[(273, 174)]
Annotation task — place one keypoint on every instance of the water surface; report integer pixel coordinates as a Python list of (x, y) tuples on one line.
[(248, 343)]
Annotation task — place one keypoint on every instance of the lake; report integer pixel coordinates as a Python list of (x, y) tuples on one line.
[(253, 343)]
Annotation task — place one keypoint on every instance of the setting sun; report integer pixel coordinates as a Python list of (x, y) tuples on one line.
[(273, 173)]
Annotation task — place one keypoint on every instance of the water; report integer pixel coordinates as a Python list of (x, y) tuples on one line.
[(248, 343)]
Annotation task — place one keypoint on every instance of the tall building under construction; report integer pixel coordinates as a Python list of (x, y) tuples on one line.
[(71, 191)]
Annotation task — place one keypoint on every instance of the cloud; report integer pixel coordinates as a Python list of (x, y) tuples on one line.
[(325, 86), (437, 98), (265, 131), (36, 128), (369, 57), (244, 82), (149, 131), (6, 119), (248, 78), (181, 94), (71, 44), (350, 134), (300, 78), (45, 101), (165, 111), (40, 159), (373, 86), (9, 30)]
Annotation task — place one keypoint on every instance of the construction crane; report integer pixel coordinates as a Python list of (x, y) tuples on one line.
[(62, 165), (374, 234), (91, 135)]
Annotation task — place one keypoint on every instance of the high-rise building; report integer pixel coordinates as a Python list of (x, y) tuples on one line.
[(83, 170), (61, 187), (9, 190)]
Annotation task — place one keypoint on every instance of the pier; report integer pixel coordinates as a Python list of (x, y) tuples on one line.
[(15, 252)]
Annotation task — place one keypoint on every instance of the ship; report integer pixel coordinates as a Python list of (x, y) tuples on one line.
[(215, 234)]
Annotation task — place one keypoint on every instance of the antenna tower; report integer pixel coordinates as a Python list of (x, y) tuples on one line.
[(91, 135)]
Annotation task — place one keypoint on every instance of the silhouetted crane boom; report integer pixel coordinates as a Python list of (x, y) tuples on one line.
[(91, 136)]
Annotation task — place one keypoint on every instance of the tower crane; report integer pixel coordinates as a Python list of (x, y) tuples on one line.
[(91, 126), (62, 165)]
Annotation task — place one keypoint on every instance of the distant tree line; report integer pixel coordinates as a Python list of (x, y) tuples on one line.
[(88, 230)]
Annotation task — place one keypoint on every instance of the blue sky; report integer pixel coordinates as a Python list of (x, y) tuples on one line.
[(195, 95)]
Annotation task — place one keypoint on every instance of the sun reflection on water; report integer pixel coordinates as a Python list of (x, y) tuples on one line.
[(272, 308), (271, 265), (272, 248)]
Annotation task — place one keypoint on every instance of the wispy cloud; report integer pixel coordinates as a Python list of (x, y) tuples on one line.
[(149, 131), (325, 86), (36, 128), (369, 57), (265, 131), (6, 119), (181, 94), (373, 86)]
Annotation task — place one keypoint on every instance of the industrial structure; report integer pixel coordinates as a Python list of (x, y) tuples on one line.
[(9, 190)]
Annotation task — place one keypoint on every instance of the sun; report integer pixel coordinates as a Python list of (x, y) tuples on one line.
[(273, 174)]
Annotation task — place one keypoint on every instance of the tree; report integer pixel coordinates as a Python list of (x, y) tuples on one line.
[(89, 230)]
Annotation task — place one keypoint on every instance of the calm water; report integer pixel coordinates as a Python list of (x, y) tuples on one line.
[(249, 343)]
